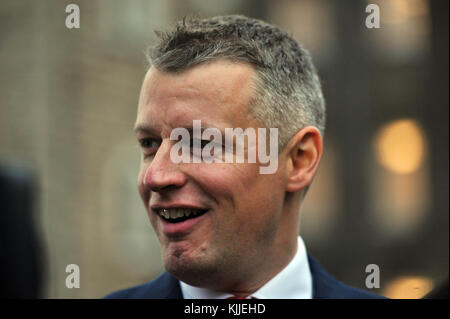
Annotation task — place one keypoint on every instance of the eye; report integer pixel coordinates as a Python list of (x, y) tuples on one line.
[(202, 143), (149, 145)]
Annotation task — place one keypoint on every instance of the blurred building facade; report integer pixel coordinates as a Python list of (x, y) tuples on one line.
[(68, 103)]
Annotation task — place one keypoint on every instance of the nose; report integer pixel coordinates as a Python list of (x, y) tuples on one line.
[(162, 173)]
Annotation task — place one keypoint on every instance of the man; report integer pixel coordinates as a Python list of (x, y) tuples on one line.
[(226, 229)]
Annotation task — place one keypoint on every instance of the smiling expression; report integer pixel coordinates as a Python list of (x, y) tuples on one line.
[(236, 221)]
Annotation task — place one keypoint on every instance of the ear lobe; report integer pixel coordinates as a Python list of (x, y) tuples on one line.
[(305, 154)]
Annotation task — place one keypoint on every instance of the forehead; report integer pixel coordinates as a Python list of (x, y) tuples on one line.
[(218, 92)]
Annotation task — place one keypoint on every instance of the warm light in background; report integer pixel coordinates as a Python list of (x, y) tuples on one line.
[(401, 11), (405, 30), (400, 146), (408, 288), (400, 184)]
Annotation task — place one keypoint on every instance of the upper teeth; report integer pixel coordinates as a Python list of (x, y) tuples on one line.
[(177, 212)]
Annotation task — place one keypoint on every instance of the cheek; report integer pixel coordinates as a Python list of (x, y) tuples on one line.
[(260, 202), (224, 181), (232, 186)]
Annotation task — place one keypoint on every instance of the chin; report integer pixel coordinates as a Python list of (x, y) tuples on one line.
[(191, 271)]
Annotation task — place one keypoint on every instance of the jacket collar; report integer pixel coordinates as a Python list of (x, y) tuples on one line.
[(324, 285)]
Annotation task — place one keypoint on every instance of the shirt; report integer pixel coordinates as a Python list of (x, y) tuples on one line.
[(293, 282)]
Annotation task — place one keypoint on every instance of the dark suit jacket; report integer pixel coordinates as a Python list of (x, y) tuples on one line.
[(168, 287)]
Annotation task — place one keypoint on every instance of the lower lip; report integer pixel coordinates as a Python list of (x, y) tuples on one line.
[(171, 229)]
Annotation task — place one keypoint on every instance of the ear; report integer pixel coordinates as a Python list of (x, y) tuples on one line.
[(304, 151)]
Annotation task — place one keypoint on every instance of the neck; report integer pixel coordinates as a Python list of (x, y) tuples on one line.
[(284, 249), (264, 273)]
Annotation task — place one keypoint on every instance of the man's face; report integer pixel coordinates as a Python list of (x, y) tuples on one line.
[(243, 223)]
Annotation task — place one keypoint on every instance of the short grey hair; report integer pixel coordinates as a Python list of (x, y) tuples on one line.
[(288, 93)]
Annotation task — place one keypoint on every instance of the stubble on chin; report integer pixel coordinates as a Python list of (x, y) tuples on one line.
[(196, 270)]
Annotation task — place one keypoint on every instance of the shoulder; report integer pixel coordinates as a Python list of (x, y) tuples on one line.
[(163, 287), (327, 287)]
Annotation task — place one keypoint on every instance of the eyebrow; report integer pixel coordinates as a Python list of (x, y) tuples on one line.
[(143, 128), (202, 128)]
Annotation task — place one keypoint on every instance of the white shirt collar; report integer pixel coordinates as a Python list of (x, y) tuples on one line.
[(293, 282)]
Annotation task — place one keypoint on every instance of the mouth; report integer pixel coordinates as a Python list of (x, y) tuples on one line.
[(179, 215), (180, 221)]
